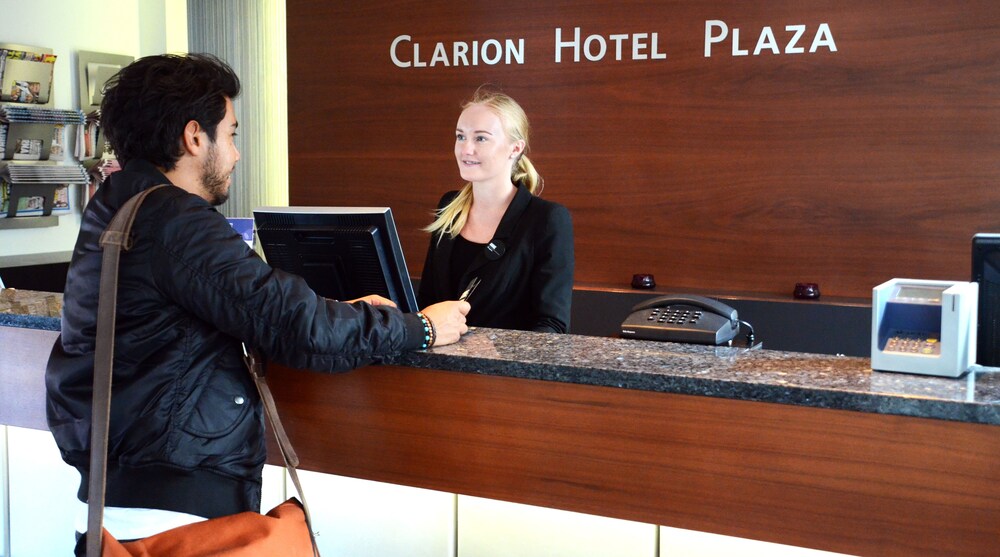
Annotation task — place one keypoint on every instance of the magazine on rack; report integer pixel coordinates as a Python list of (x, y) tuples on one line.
[(25, 77)]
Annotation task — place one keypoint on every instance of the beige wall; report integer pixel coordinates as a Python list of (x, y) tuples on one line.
[(125, 27)]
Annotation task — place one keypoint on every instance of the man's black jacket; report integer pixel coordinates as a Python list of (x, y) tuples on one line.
[(187, 430)]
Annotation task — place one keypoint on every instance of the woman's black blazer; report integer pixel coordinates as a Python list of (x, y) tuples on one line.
[(526, 270)]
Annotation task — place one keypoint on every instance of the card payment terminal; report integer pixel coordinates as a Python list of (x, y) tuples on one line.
[(924, 326)]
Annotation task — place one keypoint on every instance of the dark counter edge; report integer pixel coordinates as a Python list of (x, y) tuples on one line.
[(968, 412), (30, 322)]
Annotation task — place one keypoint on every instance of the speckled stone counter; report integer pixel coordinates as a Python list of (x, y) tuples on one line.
[(757, 375), (29, 309), (814, 380)]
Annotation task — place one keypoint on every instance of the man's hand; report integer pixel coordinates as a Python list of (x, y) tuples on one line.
[(375, 300), (448, 319)]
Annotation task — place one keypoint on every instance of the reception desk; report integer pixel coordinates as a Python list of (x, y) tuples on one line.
[(801, 449)]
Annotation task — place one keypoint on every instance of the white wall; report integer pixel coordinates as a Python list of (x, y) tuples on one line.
[(4, 495), (130, 27), (42, 495)]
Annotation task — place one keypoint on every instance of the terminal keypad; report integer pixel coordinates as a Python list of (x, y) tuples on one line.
[(909, 342)]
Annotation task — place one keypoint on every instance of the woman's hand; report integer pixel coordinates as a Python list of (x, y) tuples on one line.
[(448, 320)]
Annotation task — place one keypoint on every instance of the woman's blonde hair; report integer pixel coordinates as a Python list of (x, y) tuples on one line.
[(451, 218)]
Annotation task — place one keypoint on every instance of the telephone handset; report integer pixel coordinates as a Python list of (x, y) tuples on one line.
[(682, 318)]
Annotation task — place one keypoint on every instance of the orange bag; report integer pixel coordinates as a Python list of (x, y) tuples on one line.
[(282, 531)]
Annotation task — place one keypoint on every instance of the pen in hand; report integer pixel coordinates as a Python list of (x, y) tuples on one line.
[(468, 289)]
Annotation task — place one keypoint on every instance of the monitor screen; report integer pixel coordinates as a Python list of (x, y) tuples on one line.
[(342, 252), (986, 271)]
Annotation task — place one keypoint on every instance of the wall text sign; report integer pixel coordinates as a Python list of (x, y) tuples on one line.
[(573, 45)]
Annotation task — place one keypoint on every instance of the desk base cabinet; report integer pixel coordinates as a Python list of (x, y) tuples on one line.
[(848, 482), (860, 483)]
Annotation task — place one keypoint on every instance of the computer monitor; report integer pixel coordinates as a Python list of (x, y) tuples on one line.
[(342, 252), (986, 271)]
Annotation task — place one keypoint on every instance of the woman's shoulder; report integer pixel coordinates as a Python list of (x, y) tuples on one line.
[(548, 207), (543, 217)]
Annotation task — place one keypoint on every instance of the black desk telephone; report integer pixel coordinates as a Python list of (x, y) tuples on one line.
[(682, 318)]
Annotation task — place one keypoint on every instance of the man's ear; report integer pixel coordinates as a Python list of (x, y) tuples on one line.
[(194, 138)]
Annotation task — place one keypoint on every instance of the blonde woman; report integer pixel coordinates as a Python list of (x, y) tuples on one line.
[(496, 233)]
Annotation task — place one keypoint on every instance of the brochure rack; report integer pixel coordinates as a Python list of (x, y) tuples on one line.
[(36, 159), (34, 140)]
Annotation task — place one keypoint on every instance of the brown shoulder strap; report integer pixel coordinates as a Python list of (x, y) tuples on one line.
[(253, 362), (115, 238)]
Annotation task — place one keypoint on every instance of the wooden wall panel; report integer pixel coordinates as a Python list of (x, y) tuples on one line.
[(722, 173)]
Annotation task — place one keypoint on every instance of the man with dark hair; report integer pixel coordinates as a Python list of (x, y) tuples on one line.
[(186, 438)]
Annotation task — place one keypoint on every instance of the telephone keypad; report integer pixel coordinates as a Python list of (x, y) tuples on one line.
[(674, 316)]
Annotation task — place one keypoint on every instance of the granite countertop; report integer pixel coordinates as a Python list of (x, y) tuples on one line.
[(816, 380), (30, 309)]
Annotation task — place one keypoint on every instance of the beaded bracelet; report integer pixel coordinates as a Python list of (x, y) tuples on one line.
[(430, 335)]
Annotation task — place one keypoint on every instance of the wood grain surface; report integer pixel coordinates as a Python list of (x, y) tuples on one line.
[(746, 173)]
